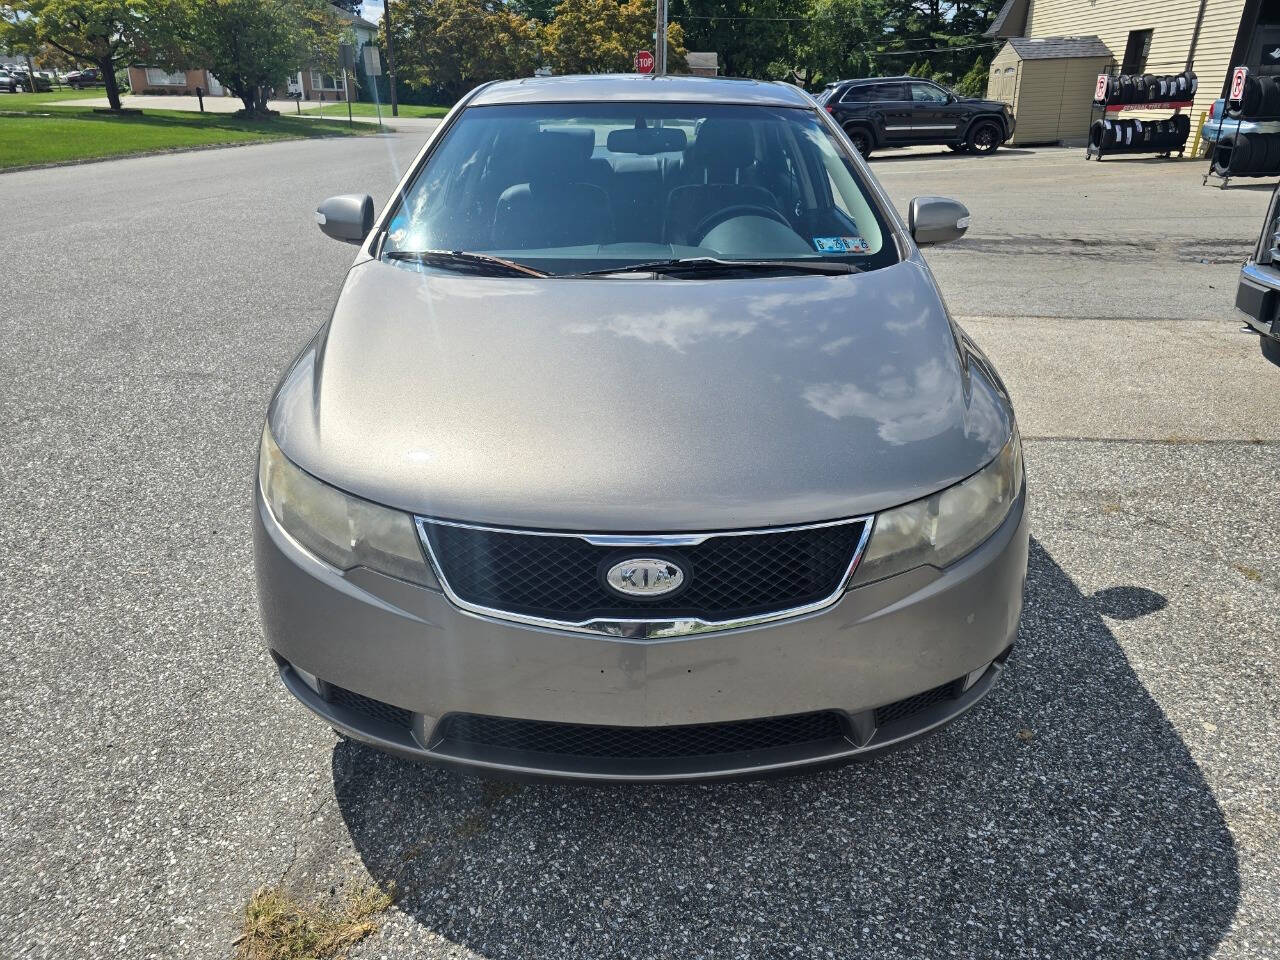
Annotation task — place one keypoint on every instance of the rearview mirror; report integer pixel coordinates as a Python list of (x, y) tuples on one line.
[(937, 220), (348, 217), (647, 140)]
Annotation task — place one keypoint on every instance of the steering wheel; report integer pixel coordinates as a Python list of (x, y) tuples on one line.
[(713, 220)]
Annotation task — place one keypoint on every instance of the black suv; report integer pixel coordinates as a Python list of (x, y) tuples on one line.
[(905, 111), (79, 79)]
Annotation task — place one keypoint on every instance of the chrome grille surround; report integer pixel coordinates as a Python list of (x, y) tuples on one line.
[(638, 628)]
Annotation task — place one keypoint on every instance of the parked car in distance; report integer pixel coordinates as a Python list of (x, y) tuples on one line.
[(639, 445), (19, 81), (91, 77), (1217, 124), (907, 111), (1258, 292)]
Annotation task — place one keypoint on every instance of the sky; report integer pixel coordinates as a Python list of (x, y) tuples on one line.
[(371, 10)]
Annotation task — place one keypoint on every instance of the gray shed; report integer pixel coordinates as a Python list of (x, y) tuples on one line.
[(1049, 82)]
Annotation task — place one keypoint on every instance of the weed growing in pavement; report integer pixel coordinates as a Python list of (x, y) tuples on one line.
[(277, 926)]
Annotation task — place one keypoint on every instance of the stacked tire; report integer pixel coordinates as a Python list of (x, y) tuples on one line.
[(1261, 98), (1132, 88), (1247, 155), (1140, 136)]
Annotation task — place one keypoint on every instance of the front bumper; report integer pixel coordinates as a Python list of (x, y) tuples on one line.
[(425, 660), (1258, 298)]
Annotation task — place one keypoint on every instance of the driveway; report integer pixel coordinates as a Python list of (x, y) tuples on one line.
[(1114, 797)]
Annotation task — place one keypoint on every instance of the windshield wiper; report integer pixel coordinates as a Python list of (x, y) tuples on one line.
[(692, 265), (476, 262)]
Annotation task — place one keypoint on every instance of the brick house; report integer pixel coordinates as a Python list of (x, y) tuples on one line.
[(321, 84), (143, 79)]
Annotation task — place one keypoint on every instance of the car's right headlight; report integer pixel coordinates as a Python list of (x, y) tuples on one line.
[(342, 530), (941, 529)]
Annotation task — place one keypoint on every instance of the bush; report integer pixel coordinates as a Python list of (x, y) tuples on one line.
[(974, 83)]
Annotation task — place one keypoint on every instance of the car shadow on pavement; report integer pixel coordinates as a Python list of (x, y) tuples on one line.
[(1062, 817), (893, 154)]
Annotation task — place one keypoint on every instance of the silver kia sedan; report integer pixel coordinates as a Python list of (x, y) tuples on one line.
[(640, 445)]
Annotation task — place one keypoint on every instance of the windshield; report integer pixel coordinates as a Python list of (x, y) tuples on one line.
[(568, 188)]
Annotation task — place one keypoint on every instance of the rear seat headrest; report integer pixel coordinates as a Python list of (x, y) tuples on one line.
[(724, 143), (564, 144)]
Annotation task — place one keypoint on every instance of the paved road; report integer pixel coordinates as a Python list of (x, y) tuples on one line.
[(156, 773)]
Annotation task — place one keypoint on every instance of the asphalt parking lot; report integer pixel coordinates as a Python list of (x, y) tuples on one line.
[(1116, 796)]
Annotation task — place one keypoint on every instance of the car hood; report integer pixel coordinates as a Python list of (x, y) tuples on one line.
[(639, 404)]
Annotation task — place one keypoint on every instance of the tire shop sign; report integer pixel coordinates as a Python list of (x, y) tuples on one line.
[(1237, 83)]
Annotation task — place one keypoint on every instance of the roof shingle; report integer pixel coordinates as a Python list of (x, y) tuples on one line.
[(1058, 48)]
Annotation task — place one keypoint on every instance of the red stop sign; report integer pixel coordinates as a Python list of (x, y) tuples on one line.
[(644, 62)]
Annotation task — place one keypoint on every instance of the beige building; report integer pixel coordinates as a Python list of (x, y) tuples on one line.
[(1150, 36)]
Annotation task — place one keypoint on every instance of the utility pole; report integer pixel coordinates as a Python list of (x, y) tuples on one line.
[(660, 41), (391, 58)]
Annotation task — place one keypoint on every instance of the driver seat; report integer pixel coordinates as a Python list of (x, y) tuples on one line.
[(721, 164), (557, 206)]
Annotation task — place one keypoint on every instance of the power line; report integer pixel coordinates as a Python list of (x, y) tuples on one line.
[(882, 53), (973, 46), (715, 16)]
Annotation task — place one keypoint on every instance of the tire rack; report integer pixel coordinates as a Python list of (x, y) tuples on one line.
[(1222, 117), (1100, 111)]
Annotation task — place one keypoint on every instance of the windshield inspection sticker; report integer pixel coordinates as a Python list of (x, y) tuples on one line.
[(840, 245)]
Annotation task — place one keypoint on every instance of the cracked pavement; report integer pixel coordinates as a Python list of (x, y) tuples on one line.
[(1115, 796)]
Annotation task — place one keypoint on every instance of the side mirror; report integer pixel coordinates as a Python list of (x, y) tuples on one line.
[(937, 220), (348, 217)]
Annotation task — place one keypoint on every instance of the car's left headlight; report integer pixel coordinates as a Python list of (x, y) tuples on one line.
[(941, 529), (340, 529)]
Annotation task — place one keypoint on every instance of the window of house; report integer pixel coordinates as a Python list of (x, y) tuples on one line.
[(1136, 50), (163, 78), (323, 81)]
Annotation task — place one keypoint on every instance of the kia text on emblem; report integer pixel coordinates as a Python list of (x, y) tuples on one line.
[(644, 577)]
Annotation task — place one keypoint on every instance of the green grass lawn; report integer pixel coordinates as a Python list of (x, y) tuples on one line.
[(339, 109), (21, 101), (77, 133)]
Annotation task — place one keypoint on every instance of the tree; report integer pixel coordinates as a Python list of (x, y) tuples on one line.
[(974, 83), (603, 36), (249, 45), (938, 26), (837, 41), (540, 10), (751, 36), (454, 45), (106, 33)]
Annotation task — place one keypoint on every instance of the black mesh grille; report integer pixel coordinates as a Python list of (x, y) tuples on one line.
[(726, 577), (901, 709), (465, 730), (368, 706)]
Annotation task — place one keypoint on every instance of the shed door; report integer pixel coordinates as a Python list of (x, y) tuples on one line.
[(1002, 85)]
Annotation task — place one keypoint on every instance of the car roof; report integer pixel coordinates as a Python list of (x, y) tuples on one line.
[(904, 77), (634, 87)]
